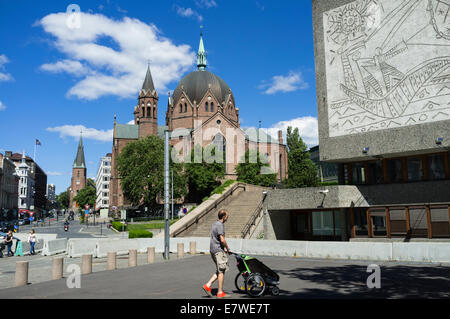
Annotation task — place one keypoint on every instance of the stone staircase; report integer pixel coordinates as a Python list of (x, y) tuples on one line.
[(240, 206)]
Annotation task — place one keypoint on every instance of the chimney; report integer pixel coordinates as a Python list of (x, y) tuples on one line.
[(280, 136)]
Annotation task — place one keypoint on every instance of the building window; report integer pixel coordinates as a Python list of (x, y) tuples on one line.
[(212, 107), (181, 108), (154, 112), (206, 106), (414, 166), (375, 172), (358, 174), (394, 170), (185, 107), (149, 112), (435, 165)]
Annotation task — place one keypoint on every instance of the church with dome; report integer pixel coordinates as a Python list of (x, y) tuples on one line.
[(201, 111)]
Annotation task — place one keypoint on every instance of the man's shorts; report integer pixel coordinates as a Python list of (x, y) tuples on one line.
[(221, 261)]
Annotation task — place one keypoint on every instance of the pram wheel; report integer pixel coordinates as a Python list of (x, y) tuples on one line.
[(275, 290), (255, 285), (239, 282)]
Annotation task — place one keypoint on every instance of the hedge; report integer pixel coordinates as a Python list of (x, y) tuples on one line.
[(140, 233)]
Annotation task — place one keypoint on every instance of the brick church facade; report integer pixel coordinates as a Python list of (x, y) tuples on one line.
[(202, 111)]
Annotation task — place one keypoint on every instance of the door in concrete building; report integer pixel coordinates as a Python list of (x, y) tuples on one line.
[(301, 225)]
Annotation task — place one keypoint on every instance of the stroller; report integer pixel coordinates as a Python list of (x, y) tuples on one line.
[(254, 277)]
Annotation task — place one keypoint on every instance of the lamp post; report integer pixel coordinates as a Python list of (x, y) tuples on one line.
[(166, 194)]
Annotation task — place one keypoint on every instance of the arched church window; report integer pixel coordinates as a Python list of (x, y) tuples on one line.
[(185, 107), (181, 108), (206, 106), (212, 107), (149, 112), (220, 143), (154, 112)]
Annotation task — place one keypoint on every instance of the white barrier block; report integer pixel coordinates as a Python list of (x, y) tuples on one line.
[(79, 247), (56, 246), (120, 246)]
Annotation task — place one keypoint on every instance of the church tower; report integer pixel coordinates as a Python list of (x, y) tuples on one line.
[(78, 181), (146, 112)]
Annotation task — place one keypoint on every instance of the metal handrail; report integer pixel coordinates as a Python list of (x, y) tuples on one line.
[(252, 219), (213, 205)]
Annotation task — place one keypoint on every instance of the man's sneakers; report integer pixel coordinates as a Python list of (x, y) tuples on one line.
[(207, 290), (223, 295)]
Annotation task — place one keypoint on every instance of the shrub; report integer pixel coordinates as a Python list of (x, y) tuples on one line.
[(221, 188), (140, 233), (118, 226)]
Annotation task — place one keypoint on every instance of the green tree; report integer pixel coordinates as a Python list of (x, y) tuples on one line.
[(255, 169), (204, 170), (302, 172), (85, 196), (141, 169), (63, 199)]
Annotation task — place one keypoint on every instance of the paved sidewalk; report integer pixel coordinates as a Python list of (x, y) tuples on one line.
[(299, 279), (40, 267)]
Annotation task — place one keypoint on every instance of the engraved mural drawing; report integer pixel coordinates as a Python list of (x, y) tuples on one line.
[(387, 64)]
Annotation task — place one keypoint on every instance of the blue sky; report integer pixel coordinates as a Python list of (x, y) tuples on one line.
[(58, 75)]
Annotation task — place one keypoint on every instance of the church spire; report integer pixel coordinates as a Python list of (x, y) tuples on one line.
[(79, 161), (148, 82), (201, 55)]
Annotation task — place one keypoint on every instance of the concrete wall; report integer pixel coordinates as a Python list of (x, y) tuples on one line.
[(393, 117), (345, 196), (377, 251)]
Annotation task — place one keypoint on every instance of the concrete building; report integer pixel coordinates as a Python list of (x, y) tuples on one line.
[(102, 182), (51, 192), (26, 185), (9, 184), (383, 92), (36, 178)]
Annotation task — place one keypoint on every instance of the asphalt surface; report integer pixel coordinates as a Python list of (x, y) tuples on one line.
[(299, 278)]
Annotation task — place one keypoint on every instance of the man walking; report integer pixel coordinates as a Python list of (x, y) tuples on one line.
[(218, 248)]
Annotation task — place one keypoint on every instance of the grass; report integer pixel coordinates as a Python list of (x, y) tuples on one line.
[(151, 225)]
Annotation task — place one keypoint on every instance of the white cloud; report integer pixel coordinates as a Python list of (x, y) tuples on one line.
[(68, 66), (280, 83), (188, 13), (111, 55), (87, 133), (57, 173), (206, 3), (2, 106), (4, 76), (307, 126)]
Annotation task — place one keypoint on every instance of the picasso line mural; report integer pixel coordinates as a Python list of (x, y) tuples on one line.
[(387, 64)]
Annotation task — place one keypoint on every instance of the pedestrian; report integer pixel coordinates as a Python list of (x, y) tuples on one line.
[(32, 239), (9, 242), (218, 249)]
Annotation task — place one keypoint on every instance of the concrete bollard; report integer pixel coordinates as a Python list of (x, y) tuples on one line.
[(180, 250), (21, 273), (86, 264), (150, 255), (111, 263), (193, 247), (57, 268), (132, 258)]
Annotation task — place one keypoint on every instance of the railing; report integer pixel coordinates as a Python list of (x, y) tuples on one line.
[(252, 220), (208, 209)]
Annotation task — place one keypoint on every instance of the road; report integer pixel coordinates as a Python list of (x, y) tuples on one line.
[(299, 279), (76, 230)]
